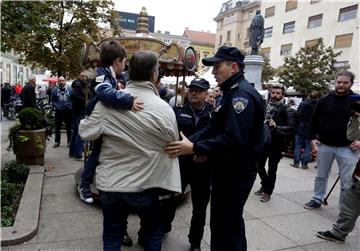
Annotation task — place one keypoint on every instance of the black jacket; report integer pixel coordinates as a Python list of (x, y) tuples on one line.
[(189, 122), (330, 119), (303, 117), (284, 117), (28, 96), (80, 95)]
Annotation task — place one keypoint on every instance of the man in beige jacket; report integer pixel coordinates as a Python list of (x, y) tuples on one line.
[(133, 167)]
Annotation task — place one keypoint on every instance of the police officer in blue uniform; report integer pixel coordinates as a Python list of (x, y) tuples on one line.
[(191, 118), (232, 142)]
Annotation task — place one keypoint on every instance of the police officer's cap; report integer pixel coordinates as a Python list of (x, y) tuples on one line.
[(225, 53), (200, 83)]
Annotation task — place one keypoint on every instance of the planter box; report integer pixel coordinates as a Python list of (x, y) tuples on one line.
[(27, 217), (29, 146)]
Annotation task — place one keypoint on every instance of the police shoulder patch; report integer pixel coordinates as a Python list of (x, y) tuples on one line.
[(239, 104), (100, 79)]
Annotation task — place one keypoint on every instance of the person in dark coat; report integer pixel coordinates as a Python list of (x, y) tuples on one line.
[(302, 123), (28, 93)]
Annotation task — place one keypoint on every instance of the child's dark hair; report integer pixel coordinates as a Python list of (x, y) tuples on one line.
[(142, 65), (111, 50)]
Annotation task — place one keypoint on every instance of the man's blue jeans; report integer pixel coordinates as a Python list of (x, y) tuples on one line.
[(116, 206), (302, 142), (346, 160), (91, 163)]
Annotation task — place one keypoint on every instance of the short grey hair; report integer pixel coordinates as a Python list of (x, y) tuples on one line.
[(32, 77)]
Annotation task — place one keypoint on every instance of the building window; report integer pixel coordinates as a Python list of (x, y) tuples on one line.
[(315, 21), (269, 12), (291, 5), (286, 49), (239, 37), (265, 52), (314, 1), (289, 27), (268, 32), (311, 43), (343, 41), (348, 13), (228, 35), (229, 19), (220, 40)]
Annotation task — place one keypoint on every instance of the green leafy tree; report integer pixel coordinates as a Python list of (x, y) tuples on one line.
[(51, 34), (312, 68), (268, 72)]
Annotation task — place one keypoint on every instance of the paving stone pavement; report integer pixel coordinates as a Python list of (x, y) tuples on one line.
[(280, 224)]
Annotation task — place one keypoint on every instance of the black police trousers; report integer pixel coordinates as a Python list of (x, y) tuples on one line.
[(229, 192), (199, 180)]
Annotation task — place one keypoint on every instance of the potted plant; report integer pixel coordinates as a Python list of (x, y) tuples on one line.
[(28, 138)]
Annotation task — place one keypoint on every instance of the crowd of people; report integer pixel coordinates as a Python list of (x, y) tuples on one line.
[(145, 145)]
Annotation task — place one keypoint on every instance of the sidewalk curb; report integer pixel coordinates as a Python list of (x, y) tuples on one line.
[(27, 217)]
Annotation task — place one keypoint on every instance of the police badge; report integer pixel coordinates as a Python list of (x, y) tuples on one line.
[(239, 104)]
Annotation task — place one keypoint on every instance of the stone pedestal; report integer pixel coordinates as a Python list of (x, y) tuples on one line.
[(253, 69)]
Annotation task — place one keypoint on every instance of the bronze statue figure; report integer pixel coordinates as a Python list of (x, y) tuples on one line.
[(256, 32)]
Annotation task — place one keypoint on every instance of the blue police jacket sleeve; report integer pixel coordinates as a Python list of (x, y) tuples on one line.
[(235, 133), (112, 97)]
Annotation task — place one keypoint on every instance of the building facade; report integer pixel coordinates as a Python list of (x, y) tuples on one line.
[(290, 25), (203, 43), (233, 22), (11, 71)]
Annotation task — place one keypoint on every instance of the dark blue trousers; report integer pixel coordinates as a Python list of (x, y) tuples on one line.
[(229, 192), (116, 207)]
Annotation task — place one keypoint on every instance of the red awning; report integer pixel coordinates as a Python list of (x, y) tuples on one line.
[(51, 80)]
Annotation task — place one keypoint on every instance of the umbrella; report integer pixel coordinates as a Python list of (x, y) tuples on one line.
[(51, 80)]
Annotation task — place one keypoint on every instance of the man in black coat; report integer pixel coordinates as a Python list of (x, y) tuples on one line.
[(28, 93), (280, 119)]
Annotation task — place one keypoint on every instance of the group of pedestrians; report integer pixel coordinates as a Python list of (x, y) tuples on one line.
[(143, 148)]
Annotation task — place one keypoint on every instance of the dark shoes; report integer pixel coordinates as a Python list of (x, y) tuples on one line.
[(296, 165), (56, 145), (312, 205), (126, 240), (259, 192), (86, 196), (304, 167), (265, 197), (327, 235), (193, 248)]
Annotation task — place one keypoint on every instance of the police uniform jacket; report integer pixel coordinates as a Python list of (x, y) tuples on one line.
[(189, 122), (235, 134)]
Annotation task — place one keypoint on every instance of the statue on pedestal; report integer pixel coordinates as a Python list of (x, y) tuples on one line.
[(256, 33)]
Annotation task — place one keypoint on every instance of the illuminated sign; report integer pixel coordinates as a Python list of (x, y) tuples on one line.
[(128, 21)]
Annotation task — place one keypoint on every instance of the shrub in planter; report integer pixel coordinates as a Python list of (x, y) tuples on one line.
[(28, 139), (16, 172), (13, 179)]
